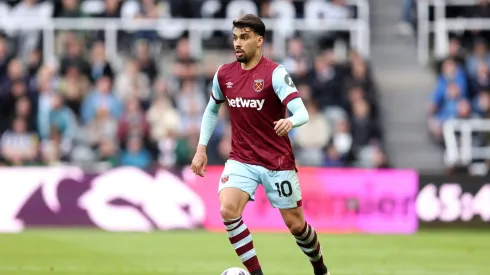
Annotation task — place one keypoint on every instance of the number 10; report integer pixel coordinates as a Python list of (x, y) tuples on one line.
[(284, 188)]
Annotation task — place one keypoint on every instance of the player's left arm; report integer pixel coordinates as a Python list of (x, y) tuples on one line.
[(286, 91)]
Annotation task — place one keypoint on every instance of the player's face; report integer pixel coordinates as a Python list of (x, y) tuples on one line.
[(245, 42)]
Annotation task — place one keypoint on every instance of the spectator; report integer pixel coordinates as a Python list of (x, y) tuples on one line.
[(148, 9), (74, 55), (24, 110), (17, 90), (464, 110), (102, 98), (146, 64), (342, 139), (50, 152), (103, 127), (74, 86), (364, 130), (108, 152), (446, 109), (35, 11), (185, 66), (481, 81), (133, 83), (163, 119), (450, 74), (455, 52), (312, 137), (133, 122), (359, 76), (63, 119), (191, 104), (333, 158), (135, 155), (70, 9), (325, 81), (99, 66), (18, 146), (112, 9), (480, 54), (15, 72), (296, 61), (481, 104)]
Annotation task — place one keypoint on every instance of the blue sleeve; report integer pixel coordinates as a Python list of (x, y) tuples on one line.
[(438, 95), (300, 114), (216, 92), (283, 85), (209, 121)]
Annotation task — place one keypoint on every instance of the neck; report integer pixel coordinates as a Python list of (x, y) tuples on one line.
[(253, 62)]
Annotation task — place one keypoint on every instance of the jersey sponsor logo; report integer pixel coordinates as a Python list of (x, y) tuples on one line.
[(246, 103), (258, 85)]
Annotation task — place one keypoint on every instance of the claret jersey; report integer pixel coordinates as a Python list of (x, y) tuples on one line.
[(256, 98)]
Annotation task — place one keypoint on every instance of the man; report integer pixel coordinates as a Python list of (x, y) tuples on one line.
[(258, 92)]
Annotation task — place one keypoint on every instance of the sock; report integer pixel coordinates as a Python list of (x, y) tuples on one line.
[(242, 242), (307, 240)]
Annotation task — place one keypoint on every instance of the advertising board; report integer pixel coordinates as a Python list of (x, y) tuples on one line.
[(454, 201), (129, 199)]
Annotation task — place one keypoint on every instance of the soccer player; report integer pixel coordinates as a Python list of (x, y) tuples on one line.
[(258, 91)]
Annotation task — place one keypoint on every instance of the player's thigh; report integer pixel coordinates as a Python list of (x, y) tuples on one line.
[(282, 188), (237, 186)]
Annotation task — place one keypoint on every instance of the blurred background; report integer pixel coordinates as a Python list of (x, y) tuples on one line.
[(391, 86)]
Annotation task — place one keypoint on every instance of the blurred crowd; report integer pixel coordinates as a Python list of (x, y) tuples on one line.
[(88, 109), (463, 84), (409, 14)]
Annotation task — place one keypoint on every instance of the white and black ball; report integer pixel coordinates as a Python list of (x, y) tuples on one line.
[(235, 271)]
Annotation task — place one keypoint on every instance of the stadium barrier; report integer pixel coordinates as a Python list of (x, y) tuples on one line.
[(441, 27), (130, 199), (453, 202), (460, 143), (197, 29)]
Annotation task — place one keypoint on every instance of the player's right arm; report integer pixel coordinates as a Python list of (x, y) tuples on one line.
[(208, 124)]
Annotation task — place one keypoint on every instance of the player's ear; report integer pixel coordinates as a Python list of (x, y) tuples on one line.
[(260, 40)]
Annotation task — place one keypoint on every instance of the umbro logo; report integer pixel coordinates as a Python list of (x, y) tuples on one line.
[(229, 85)]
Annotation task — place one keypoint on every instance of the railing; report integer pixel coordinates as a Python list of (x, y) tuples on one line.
[(358, 28), (441, 26), (458, 138)]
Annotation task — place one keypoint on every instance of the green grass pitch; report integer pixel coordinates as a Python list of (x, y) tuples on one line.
[(57, 252)]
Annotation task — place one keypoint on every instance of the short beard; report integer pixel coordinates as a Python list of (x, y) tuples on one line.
[(242, 59)]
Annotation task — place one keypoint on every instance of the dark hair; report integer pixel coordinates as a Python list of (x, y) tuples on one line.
[(250, 21)]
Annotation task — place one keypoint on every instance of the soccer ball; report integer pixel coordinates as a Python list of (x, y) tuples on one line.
[(235, 271)]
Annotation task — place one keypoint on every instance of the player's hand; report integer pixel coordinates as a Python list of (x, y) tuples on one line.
[(283, 126), (200, 161)]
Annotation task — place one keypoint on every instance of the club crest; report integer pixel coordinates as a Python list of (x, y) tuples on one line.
[(258, 85), (224, 179)]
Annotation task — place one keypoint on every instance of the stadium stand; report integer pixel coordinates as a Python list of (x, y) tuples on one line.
[(81, 97), (460, 101)]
